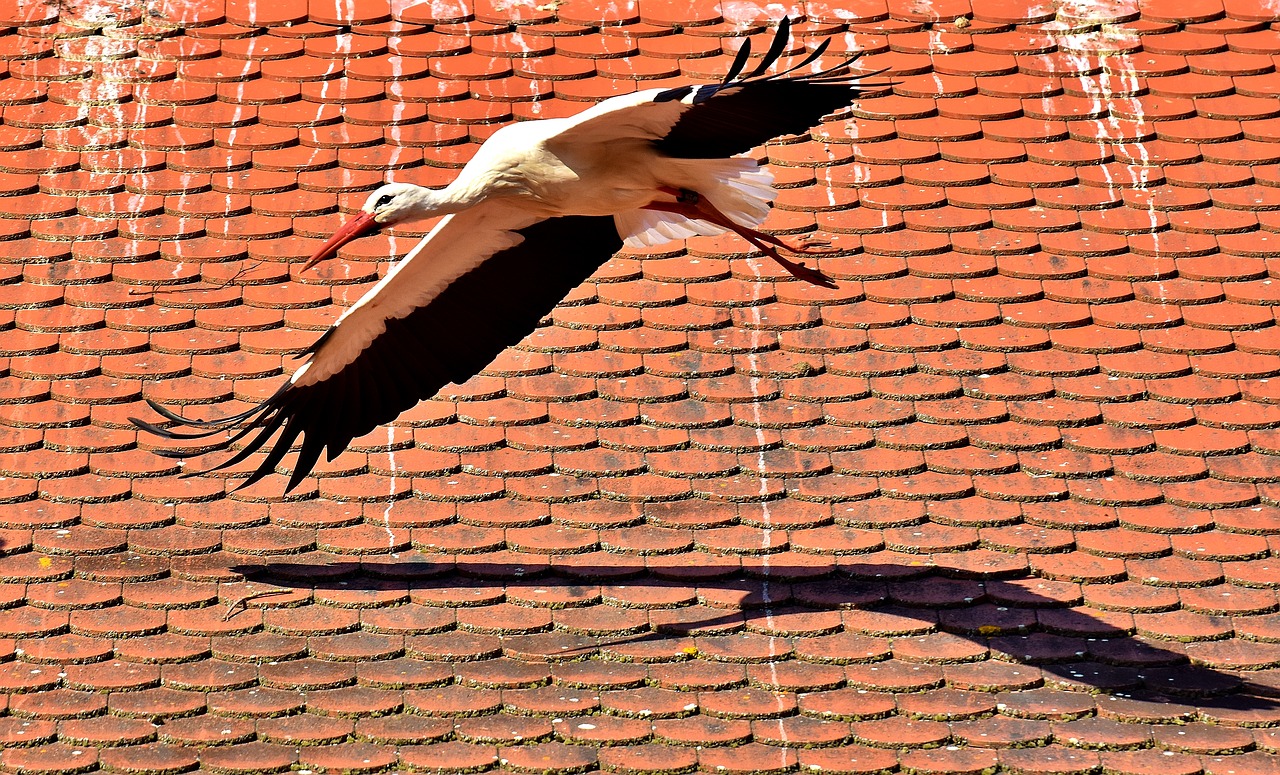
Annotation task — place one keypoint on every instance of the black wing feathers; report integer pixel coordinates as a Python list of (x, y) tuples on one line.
[(813, 57), (742, 119), (448, 340), (674, 95), (739, 61), (779, 44), (739, 114)]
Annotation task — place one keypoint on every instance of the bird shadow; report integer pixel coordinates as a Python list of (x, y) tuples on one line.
[(1004, 619)]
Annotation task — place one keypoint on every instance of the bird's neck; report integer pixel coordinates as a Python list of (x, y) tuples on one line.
[(429, 202), (462, 194)]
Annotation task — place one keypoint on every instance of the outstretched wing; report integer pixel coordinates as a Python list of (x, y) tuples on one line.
[(727, 118), (480, 282)]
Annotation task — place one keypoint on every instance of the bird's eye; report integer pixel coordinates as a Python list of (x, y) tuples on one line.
[(383, 200)]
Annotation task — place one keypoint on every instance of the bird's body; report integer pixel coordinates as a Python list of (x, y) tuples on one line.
[(537, 209), (583, 166)]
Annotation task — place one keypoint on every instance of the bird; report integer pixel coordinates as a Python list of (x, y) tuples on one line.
[(537, 210)]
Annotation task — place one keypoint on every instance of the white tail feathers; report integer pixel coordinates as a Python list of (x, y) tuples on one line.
[(737, 187), (646, 228), (743, 191)]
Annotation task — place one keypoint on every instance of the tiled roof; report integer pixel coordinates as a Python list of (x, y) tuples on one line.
[(1007, 497)]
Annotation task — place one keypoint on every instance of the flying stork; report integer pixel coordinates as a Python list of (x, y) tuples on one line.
[(536, 211)]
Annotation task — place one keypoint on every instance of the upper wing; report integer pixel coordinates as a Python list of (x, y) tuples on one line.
[(724, 119), (480, 282), (642, 115)]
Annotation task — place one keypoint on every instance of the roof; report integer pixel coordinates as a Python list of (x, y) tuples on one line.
[(1007, 496)]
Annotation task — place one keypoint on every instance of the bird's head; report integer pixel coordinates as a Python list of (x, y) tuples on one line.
[(397, 202), (389, 204)]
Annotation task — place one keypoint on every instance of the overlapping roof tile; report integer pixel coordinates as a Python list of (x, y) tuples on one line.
[(1007, 497)]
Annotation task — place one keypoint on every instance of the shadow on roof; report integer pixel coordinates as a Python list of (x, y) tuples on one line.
[(1017, 625)]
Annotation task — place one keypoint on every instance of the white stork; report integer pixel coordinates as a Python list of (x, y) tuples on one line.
[(537, 210)]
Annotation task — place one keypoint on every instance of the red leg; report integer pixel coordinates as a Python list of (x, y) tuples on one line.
[(690, 205)]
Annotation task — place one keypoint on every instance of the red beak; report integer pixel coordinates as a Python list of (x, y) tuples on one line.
[(353, 229)]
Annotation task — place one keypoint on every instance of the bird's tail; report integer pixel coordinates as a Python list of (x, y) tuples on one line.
[(647, 228), (737, 187)]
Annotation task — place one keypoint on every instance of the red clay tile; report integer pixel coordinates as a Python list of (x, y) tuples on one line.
[(1127, 406)]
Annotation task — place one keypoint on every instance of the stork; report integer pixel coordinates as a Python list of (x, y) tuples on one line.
[(539, 208)]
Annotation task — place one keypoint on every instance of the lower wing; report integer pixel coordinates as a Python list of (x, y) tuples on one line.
[(480, 282)]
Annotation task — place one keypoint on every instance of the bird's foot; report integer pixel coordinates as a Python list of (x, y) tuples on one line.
[(813, 245), (807, 245), (796, 269), (692, 205), (770, 245)]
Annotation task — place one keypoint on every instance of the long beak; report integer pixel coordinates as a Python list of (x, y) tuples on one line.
[(353, 229)]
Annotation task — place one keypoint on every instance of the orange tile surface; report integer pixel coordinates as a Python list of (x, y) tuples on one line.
[(1006, 498)]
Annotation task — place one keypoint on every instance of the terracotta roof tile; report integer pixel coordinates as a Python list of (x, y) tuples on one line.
[(1009, 484)]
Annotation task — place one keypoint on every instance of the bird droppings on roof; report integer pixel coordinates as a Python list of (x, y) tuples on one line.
[(1007, 497)]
